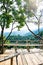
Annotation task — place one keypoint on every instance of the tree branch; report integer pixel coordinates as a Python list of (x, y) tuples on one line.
[(37, 36), (34, 15), (10, 32)]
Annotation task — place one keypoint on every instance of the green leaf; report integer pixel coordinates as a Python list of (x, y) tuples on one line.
[(18, 2), (30, 14), (11, 2)]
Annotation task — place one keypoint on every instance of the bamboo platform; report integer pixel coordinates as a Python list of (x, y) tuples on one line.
[(34, 57)]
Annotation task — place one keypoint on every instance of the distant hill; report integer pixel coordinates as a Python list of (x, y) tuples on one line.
[(13, 33), (22, 33), (29, 33), (35, 31)]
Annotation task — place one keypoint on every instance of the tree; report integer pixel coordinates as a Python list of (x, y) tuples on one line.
[(31, 11), (9, 13)]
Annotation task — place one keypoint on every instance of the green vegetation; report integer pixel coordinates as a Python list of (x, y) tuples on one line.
[(10, 14), (41, 33), (13, 38), (12, 11), (23, 39)]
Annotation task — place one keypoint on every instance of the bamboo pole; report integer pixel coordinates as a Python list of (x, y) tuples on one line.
[(12, 61)]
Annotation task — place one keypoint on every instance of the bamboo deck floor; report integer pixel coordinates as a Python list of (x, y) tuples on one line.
[(24, 59)]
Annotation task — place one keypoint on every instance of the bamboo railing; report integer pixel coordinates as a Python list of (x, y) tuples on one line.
[(10, 57), (16, 54)]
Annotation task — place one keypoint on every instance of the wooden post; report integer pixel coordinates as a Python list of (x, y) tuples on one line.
[(41, 41), (12, 61), (16, 60), (28, 48), (16, 56), (16, 42), (40, 64)]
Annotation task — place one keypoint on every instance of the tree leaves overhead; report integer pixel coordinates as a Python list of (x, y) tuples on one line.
[(18, 2), (31, 4), (19, 14), (10, 13)]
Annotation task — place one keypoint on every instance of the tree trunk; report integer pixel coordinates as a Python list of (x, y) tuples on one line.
[(38, 27), (2, 41)]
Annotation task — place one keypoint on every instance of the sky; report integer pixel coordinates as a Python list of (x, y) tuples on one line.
[(32, 26)]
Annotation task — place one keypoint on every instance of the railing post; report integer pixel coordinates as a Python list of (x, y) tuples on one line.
[(27, 47), (16, 57), (16, 60), (12, 61), (41, 41), (16, 42)]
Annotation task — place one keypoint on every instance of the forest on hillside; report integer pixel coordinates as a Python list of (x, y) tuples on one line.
[(13, 38)]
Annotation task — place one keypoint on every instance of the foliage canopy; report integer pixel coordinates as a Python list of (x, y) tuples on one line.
[(11, 13)]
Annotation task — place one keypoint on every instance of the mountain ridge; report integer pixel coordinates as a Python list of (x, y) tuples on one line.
[(22, 33)]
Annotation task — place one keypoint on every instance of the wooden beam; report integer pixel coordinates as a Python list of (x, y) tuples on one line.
[(28, 44)]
